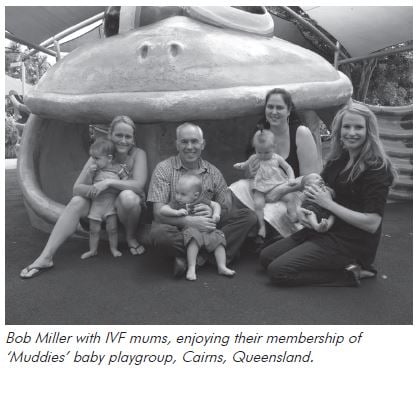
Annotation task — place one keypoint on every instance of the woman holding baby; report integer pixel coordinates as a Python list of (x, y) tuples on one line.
[(359, 173), (296, 145)]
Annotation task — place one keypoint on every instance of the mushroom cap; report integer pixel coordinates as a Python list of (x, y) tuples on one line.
[(180, 68)]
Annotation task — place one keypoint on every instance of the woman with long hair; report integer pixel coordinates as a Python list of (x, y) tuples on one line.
[(295, 144), (128, 203), (360, 174)]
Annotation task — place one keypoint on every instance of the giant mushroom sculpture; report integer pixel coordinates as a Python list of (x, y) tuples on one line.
[(177, 69)]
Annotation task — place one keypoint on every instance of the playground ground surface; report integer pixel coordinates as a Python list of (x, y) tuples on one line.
[(142, 290)]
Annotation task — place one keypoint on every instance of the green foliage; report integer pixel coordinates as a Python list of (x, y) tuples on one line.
[(11, 137), (392, 81), (35, 65)]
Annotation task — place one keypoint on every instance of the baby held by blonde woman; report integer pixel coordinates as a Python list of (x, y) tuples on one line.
[(188, 194), (273, 172), (103, 208)]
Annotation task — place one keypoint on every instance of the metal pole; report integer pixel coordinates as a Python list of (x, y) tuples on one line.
[(71, 30), (313, 28), (28, 44), (336, 55), (23, 69), (376, 55), (58, 51)]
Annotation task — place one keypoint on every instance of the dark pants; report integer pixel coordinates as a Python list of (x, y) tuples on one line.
[(169, 240), (297, 262)]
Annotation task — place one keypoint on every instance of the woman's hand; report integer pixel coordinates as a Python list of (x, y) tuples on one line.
[(318, 195), (101, 186), (202, 209)]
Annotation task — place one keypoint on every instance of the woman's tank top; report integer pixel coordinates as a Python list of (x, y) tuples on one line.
[(292, 158)]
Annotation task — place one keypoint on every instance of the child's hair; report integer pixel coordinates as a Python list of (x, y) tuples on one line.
[(263, 138), (192, 182), (372, 153), (102, 147)]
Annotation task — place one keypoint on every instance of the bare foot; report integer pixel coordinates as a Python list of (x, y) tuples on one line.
[(226, 271), (191, 275), (88, 254), (116, 253)]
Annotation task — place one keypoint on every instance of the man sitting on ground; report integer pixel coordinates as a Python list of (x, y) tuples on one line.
[(166, 235)]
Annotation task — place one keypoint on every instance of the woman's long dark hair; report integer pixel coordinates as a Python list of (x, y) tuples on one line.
[(293, 119)]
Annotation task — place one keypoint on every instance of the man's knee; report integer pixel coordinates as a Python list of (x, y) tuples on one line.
[(245, 215), (162, 235)]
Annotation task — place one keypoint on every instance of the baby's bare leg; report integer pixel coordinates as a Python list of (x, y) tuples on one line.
[(275, 194), (111, 228), (192, 252), (291, 202), (312, 219), (220, 254), (95, 227), (259, 204)]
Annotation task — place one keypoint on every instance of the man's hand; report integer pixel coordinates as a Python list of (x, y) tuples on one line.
[(201, 209), (216, 218), (201, 223)]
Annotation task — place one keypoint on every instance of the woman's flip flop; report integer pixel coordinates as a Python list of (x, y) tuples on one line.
[(27, 273), (138, 250)]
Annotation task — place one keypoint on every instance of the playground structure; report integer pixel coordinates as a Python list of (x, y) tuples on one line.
[(167, 65), (396, 131)]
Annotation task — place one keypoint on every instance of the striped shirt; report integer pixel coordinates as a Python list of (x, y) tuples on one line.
[(167, 173)]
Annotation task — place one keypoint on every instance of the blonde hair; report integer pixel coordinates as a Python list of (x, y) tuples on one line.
[(122, 119), (372, 153), (263, 137), (192, 182)]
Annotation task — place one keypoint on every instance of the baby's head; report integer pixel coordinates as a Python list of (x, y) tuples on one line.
[(264, 144), (102, 152), (311, 179), (189, 188)]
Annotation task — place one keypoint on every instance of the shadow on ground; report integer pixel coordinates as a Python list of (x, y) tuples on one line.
[(141, 290)]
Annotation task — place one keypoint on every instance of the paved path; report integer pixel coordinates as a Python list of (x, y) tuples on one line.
[(141, 290)]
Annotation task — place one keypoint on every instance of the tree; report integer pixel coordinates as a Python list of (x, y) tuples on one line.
[(35, 65)]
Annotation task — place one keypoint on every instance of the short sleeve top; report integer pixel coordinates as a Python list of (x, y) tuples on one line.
[(165, 178)]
